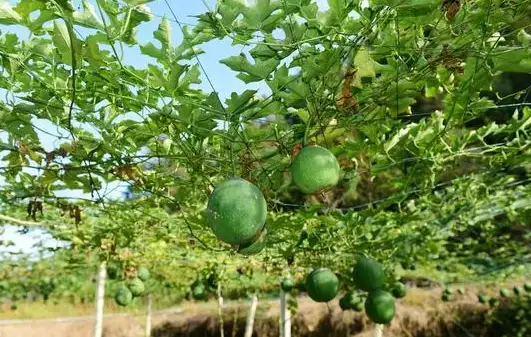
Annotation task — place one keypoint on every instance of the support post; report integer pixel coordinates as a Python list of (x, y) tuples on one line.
[(285, 316), (249, 327), (100, 299), (148, 316)]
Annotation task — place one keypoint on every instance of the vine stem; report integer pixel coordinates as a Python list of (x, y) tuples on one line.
[(378, 330)]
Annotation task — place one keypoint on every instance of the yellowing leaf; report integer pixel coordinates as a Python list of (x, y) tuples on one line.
[(364, 64)]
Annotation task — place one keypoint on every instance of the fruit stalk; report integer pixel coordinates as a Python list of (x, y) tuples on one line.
[(250, 318), (100, 300)]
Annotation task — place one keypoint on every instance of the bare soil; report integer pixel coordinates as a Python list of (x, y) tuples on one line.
[(420, 314)]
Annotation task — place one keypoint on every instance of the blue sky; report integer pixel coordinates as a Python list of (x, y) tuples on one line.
[(223, 80)]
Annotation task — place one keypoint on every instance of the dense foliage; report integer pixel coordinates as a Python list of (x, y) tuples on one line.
[(424, 105)]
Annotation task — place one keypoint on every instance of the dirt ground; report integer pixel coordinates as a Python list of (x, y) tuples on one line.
[(421, 313)]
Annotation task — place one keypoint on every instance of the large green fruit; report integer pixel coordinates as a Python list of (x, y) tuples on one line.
[(143, 274), (236, 211), (380, 306), (399, 290), (123, 296), (136, 286), (256, 246), (368, 274), (322, 285), (314, 169)]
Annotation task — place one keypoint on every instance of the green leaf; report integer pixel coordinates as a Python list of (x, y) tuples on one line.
[(254, 72), (512, 59), (150, 49), (88, 18), (61, 40), (138, 2), (8, 16), (192, 76), (163, 34)]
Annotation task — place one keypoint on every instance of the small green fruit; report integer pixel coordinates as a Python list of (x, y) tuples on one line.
[(482, 299), (287, 284), (493, 302), (517, 290), (199, 292), (504, 292), (123, 296), (143, 274), (399, 290), (136, 286)]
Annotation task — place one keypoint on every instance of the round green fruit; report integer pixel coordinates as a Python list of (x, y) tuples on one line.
[(322, 285), (114, 272), (380, 306), (123, 296), (236, 211), (504, 292), (136, 286), (255, 247), (527, 287), (143, 274), (494, 302), (482, 299), (368, 274), (517, 290), (287, 284), (315, 168), (349, 301), (399, 290), (199, 292)]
